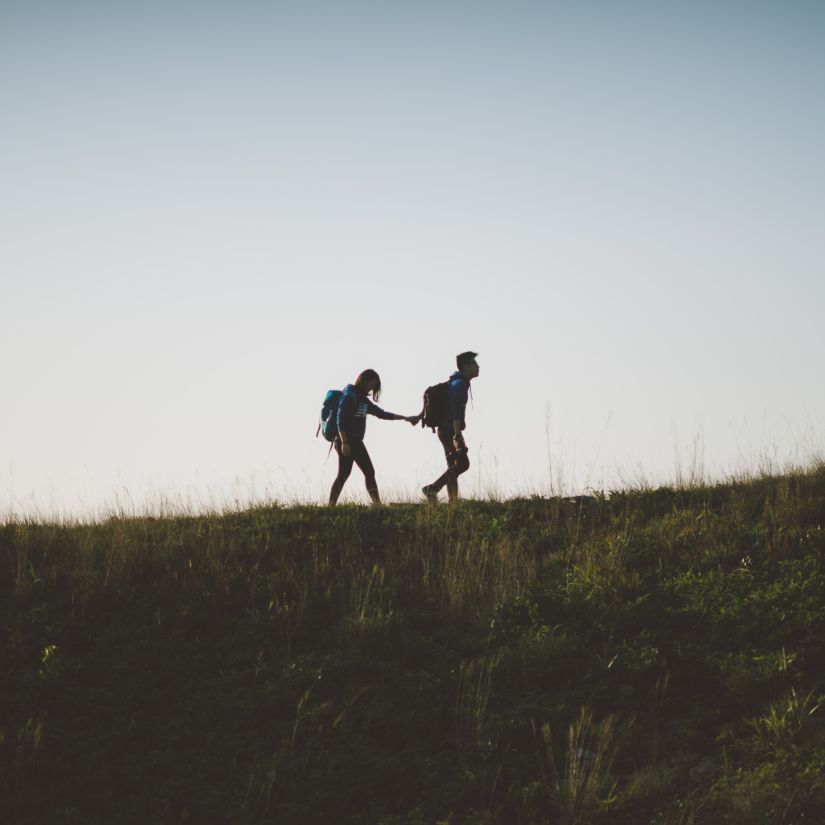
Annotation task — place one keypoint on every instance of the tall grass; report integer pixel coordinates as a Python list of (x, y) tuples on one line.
[(411, 663), (580, 777)]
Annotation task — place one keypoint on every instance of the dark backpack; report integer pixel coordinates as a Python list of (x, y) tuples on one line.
[(436, 405), (328, 424)]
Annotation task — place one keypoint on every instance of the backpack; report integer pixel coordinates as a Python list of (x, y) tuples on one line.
[(436, 406), (328, 425)]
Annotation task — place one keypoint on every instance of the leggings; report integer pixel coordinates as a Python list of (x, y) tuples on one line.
[(357, 455)]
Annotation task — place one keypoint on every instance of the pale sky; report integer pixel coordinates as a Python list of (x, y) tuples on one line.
[(213, 212)]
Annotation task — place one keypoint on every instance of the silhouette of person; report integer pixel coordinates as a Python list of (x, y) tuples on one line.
[(354, 407), (450, 430)]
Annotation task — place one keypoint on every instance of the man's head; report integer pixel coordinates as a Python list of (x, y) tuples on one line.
[(466, 363)]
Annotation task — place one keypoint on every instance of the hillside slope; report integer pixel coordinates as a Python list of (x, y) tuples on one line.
[(648, 657)]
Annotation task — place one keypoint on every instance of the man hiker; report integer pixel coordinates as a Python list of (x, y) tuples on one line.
[(450, 428)]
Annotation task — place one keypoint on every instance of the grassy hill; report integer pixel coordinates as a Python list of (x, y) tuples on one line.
[(654, 656)]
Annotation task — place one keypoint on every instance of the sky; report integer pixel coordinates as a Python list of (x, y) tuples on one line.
[(213, 212)]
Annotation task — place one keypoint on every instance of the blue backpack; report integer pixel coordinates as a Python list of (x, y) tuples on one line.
[(328, 424)]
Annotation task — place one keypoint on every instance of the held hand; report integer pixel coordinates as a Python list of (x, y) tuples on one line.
[(458, 442), (344, 448), (413, 419)]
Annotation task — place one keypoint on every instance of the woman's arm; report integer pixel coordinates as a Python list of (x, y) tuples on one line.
[(374, 409)]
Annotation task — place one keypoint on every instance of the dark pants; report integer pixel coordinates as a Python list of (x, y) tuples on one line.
[(357, 455), (458, 462)]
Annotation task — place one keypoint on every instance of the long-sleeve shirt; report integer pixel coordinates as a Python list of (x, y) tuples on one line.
[(457, 393), (353, 410)]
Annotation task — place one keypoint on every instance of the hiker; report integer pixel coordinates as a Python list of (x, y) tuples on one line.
[(450, 428), (353, 409)]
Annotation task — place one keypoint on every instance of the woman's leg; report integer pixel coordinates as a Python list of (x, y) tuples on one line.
[(344, 469), (363, 460)]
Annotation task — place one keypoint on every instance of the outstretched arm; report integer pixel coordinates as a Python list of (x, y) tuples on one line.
[(375, 410)]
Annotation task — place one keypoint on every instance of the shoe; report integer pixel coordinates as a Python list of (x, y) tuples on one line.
[(430, 494)]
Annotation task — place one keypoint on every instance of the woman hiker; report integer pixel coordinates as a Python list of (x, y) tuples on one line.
[(353, 409)]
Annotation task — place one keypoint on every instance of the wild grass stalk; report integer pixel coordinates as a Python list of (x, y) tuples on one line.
[(474, 686), (579, 777)]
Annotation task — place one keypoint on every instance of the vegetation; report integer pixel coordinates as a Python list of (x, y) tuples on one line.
[(651, 656)]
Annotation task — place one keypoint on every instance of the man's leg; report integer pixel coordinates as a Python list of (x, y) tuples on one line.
[(457, 463), (447, 446), (460, 464)]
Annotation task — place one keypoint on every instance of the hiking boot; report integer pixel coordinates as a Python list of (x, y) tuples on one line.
[(430, 494)]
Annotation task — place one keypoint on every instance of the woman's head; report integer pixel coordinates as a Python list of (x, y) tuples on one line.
[(369, 381)]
